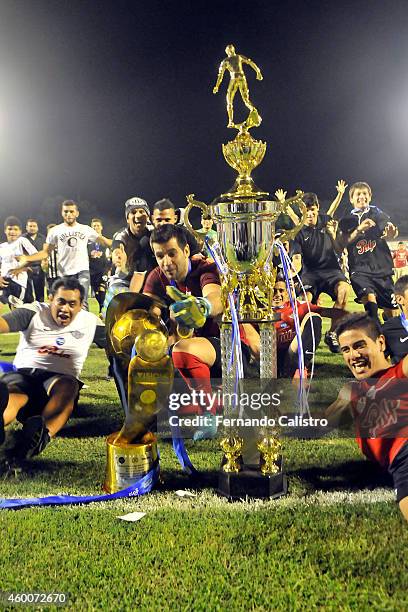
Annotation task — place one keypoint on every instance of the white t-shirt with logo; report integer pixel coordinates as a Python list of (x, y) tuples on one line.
[(46, 345), (71, 242), (8, 261)]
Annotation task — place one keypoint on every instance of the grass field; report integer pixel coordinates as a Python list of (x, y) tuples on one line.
[(336, 541)]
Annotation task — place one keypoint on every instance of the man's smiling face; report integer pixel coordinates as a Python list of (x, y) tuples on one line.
[(360, 198), (363, 355), (137, 221), (65, 305)]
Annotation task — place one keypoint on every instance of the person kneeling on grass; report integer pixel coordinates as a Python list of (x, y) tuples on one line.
[(378, 399), (44, 388)]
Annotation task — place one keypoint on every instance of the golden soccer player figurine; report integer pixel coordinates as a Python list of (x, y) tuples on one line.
[(234, 64)]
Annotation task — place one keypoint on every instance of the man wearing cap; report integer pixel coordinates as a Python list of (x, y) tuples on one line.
[(133, 243)]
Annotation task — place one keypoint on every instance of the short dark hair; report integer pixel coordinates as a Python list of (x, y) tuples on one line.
[(401, 285), (12, 221), (167, 232), (96, 220), (206, 217), (358, 320), (164, 204), (32, 221), (68, 283), (310, 199), (69, 203)]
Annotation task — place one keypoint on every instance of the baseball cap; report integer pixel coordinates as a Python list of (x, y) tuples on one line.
[(136, 202)]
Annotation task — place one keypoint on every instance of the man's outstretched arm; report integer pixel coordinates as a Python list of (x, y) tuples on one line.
[(341, 188)]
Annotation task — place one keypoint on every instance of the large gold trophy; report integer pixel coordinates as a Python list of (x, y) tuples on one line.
[(245, 218)]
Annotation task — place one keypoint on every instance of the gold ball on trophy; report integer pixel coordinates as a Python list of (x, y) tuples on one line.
[(151, 345), (131, 325)]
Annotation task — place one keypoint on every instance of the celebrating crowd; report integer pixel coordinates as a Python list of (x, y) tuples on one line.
[(156, 255)]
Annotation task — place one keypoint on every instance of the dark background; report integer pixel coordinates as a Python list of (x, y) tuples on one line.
[(102, 100)]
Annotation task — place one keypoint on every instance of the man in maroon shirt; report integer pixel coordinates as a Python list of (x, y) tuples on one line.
[(191, 290)]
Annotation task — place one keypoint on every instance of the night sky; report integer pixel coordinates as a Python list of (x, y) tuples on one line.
[(105, 100)]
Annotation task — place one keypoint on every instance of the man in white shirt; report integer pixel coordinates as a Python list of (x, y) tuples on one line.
[(44, 388), (71, 239), (16, 245)]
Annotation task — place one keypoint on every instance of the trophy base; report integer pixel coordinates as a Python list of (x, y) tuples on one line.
[(127, 463), (250, 482)]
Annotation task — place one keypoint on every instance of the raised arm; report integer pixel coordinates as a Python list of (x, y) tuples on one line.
[(341, 188)]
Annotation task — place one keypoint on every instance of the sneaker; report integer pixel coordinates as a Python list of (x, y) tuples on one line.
[(27, 442), (34, 439), (330, 339)]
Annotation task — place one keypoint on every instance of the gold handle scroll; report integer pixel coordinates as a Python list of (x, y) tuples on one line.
[(192, 203), (297, 199)]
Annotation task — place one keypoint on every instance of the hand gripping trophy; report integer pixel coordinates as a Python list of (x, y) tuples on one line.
[(245, 219)]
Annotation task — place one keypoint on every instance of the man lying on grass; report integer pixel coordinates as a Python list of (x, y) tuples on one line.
[(378, 399), (44, 389)]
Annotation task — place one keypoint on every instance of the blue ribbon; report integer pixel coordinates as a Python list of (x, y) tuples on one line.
[(6, 366), (141, 487)]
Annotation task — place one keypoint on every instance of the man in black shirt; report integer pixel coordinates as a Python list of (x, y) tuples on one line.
[(164, 212), (395, 329), (315, 252), (36, 276), (363, 232), (134, 243), (98, 264)]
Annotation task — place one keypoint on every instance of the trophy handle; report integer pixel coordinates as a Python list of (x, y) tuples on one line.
[(197, 204), (297, 199)]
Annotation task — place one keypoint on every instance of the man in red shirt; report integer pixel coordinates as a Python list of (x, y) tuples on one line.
[(400, 259), (378, 399), (310, 329)]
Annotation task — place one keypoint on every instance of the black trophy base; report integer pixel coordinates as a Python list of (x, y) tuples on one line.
[(250, 482)]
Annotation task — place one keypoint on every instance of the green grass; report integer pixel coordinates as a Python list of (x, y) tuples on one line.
[(336, 541)]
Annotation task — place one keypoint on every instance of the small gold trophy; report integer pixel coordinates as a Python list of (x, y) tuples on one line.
[(245, 218), (144, 382)]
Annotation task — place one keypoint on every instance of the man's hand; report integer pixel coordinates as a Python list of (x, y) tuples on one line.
[(341, 186), (119, 258), (187, 310), (3, 282), (390, 231), (332, 227), (281, 195), (22, 260), (365, 225)]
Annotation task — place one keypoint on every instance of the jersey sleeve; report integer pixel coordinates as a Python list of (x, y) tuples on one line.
[(381, 219), (153, 285), (51, 238), (92, 234), (210, 276), (20, 318), (27, 246)]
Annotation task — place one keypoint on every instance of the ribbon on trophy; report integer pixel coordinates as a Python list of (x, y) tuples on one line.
[(141, 487), (302, 394)]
